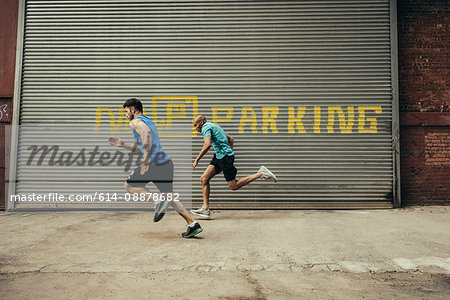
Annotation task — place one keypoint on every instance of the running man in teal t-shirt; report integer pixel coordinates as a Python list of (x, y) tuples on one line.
[(223, 160), (219, 139)]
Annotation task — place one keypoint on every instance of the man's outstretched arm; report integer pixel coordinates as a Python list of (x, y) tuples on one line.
[(204, 150), (118, 142)]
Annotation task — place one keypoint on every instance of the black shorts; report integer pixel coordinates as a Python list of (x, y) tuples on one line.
[(225, 164), (161, 176)]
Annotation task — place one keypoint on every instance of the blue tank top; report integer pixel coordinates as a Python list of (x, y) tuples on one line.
[(157, 154)]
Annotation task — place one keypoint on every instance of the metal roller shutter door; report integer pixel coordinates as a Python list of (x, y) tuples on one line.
[(305, 87)]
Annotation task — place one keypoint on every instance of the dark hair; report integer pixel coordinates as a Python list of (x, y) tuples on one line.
[(133, 102)]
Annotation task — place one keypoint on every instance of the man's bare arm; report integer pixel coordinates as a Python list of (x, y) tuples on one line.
[(146, 138), (206, 146), (230, 140), (132, 147)]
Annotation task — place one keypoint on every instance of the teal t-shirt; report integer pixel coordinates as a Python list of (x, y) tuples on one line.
[(219, 139)]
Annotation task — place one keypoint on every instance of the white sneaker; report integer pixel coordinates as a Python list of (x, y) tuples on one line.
[(266, 174), (201, 212)]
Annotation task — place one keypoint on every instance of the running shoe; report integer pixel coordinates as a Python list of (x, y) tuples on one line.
[(204, 213), (191, 231), (160, 209), (266, 174)]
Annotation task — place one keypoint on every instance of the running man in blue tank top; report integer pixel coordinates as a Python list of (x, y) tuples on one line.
[(156, 166), (223, 160)]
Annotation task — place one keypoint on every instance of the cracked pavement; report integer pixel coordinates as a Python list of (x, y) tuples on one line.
[(335, 254)]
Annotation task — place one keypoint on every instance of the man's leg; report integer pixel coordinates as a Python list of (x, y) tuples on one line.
[(209, 173), (193, 228), (135, 189), (179, 208), (165, 188), (237, 184), (177, 205)]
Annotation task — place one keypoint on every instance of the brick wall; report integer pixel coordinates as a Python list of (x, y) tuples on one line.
[(425, 165), (423, 35), (8, 34)]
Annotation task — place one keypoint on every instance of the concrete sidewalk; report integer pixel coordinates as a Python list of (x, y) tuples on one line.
[(340, 254)]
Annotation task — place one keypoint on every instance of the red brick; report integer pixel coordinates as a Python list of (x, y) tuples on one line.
[(4, 142), (5, 110), (8, 23), (424, 177), (2, 189), (423, 55), (2, 145), (424, 101)]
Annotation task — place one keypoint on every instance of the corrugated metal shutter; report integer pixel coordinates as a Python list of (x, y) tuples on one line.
[(303, 86)]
